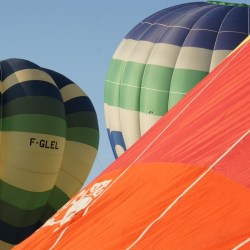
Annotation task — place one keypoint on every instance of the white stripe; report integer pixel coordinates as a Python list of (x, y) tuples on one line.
[(241, 244), (58, 239), (160, 134), (187, 189)]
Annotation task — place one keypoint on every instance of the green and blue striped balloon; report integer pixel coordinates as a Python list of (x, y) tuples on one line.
[(49, 140), (163, 58)]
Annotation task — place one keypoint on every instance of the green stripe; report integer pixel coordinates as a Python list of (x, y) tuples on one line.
[(151, 95), (130, 97), (87, 136), (57, 198), (22, 199), (48, 212), (82, 119), (113, 79), (34, 105), (133, 73), (183, 81), (153, 102), (157, 77), (28, 207), (112, 93), (33, 123), (115, 70), (18, 217)]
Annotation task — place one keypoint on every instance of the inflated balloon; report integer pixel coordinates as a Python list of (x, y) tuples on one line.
[(49, 140), (164, 57), (183, 185)]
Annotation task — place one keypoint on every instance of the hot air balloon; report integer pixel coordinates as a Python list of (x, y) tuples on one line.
[(184, 185), (162, 58), (49, 139)]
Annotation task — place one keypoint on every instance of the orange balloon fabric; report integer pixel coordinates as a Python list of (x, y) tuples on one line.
[(184, 185)]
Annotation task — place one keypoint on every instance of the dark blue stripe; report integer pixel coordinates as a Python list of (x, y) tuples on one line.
[(153, 33), (181, 7), (175, 36), (32, 88), (185, 17), (236, 20), (166, 17), (137, 32), (212, 19), (201, 39), (81, 103), (12, 65), (14, 235), (228, 40), (190, 21), (59, 79)]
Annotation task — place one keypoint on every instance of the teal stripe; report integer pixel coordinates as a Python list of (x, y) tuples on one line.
[(87, 136), (33, 123), (34, 105)]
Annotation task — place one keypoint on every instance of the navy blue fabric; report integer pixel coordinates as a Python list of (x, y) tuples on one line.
[(201, 39), (174, 35), (212, 19), (153, 33), (31, 88), (12, 65), (137, 32), (237, 20), (60, 80), (81, 103), (14, 235), (229, 40), (195, 25)]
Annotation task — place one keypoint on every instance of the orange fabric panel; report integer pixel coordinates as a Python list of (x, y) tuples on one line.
[(210, 214)]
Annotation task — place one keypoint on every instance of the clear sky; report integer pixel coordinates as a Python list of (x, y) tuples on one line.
[(77, 38)]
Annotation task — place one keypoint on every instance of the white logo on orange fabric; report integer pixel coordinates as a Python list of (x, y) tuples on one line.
[(81, 201)]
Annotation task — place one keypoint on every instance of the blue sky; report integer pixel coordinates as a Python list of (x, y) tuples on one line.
[(76, 38)]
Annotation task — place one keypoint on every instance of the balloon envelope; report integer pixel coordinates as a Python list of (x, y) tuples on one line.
[(184, 185), (49, 140), (162, 58)]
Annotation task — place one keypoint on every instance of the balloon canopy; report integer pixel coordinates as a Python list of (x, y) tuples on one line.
[(184, 185), (162, 58), (49, 139)]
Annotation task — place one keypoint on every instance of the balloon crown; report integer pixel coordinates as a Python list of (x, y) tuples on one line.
[(228, 3)]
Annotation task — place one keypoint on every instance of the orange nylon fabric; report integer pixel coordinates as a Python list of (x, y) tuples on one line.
[(184, 185), (144, 192)]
